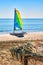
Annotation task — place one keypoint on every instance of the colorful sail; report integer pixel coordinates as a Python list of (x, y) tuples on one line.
[(17, 20)]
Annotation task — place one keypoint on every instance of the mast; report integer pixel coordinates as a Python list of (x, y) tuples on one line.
[(14, 17)]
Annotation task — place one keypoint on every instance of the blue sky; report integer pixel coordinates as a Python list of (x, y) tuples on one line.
[(27, 8)]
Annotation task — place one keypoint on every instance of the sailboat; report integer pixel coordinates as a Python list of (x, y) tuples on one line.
[(17, 24)]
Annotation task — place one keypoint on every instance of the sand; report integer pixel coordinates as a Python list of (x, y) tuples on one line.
[(7, 41), (27, 36)]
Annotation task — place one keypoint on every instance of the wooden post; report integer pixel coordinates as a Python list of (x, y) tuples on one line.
[(25, 60)]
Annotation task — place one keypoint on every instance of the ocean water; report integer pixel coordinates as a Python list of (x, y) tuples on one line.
[(28, 25)]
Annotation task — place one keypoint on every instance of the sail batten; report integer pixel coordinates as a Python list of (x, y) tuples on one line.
[(17, 20)]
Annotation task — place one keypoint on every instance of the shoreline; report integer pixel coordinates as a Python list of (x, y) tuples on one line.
[(26, 36)]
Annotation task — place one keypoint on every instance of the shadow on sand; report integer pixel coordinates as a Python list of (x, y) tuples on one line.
[(18, 34)]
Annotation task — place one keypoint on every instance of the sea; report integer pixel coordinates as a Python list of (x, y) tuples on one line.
[(28, 25)]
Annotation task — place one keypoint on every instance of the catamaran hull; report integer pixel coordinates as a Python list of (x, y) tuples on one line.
[(19, 34)]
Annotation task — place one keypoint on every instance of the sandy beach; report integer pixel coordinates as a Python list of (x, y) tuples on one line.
[(26, 36), (8, 41)]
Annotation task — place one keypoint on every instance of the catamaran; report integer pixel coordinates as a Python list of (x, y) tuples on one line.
[(17, 24)]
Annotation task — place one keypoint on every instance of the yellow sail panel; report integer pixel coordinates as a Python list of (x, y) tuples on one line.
[(18, 14)]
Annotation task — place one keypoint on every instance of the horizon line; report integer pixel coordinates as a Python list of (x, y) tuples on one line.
[(24, 17)]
